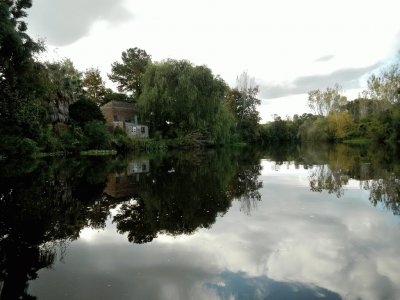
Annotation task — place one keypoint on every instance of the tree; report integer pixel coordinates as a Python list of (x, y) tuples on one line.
[(323, 103), (110, 95), (243, 103), (179, 98), (386, 87), (19, 99), (129, 73), (84, 111), (16, 47), (94, 85)]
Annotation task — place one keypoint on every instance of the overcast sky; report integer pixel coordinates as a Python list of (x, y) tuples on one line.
[(289, 46)]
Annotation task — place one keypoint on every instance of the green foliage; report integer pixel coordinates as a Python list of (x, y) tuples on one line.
[(179, 98), (84, 111), (72, 139), (129, 73), (12, 146), (124, 144), (243, 102), (94, 85), (110, 95), (96, 135)]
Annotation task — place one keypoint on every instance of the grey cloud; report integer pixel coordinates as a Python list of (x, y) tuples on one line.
[(347, 78), (324, 58), (63, 22)]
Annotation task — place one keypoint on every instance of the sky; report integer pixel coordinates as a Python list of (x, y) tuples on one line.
[(290, 47)]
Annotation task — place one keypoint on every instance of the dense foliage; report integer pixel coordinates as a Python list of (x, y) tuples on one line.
[(179, 98)]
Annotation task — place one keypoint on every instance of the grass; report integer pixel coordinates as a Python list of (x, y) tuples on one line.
[(49, 154), (358, 141), (239, 145), (98, 152)]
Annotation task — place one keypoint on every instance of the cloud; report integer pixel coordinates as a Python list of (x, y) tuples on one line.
[(64, 22), (348, 78), (324, 58)]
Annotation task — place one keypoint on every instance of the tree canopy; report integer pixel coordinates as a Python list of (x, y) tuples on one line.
[(243, 103), (94, 85), (179, 98), (128, 74), (324, 102)]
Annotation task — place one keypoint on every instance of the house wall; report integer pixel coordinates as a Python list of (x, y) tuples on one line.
[(137, 130), (122, 114)]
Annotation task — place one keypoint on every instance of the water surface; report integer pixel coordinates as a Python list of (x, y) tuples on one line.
[(309, 222)]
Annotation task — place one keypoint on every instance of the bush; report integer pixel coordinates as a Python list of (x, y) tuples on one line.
[(97, 135), (73, 139), (84, 111), (14, 146)]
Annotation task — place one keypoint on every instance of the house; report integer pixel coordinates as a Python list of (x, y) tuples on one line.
[(126, 183), (124, 115)]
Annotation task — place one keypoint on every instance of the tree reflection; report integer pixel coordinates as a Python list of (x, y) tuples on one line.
[(377, 168), (42, 207), (324, 178), (186, 192)]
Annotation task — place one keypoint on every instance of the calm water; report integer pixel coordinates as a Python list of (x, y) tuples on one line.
[(284, 223)]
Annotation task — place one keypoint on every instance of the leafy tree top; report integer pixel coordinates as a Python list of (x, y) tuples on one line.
[(129, 73)]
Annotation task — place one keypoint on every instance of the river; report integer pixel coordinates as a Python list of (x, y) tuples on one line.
[(287, 222)]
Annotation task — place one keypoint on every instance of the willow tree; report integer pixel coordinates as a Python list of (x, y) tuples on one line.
[(179, 98)]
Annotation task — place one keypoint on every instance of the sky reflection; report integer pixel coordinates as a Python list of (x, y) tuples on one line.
[(296, 243)]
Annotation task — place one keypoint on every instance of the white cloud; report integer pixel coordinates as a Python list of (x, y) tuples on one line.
[(275, 41)]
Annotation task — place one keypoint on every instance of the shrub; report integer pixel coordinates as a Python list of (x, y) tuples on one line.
[(84, 111), (97, 135), (14, 146)]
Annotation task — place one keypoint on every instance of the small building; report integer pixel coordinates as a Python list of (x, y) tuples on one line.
[(124, 115), (126, 183)]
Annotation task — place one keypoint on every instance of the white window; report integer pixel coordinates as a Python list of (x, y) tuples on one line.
[(134, 130)]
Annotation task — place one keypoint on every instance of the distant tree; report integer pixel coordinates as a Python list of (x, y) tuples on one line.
[(94, 85), (110, 95), (243, 103), (325, 102), (129, 73), (385, 87)]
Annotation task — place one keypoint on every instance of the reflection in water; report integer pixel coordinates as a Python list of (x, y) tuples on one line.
[(332, 167), (291, 245), (45, 205), (186, 192), (42, 208), (241, 286)]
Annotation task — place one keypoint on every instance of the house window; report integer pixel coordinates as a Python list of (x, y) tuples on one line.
[(143, 130), (127, 120), (134, 130), (115, 118), (144, 168)]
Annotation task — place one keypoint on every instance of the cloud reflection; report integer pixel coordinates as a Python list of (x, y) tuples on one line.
[(340, 248)]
